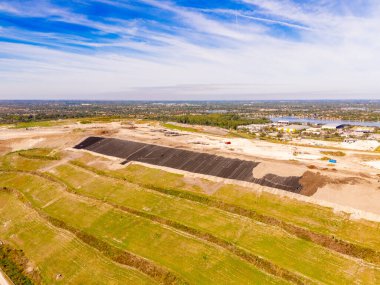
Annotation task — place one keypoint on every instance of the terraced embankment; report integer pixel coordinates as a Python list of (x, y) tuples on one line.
[(56, 254), (150, 226), (109, 229)]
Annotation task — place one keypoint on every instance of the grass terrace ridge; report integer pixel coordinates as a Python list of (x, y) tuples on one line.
[(117, 219)]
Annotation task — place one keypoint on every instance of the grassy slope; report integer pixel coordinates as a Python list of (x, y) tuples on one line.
[(40, 154), (203, 263), (34, 124), (316, 218), (15, 161), (270, 242), (179, 128), (266, 241), (56, 252)]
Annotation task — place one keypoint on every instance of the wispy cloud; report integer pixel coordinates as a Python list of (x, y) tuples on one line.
[(153, 49)]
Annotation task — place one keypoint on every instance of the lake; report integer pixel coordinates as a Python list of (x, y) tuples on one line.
[(317, 121)]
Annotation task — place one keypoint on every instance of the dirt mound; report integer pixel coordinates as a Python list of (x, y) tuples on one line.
[(106, 132), (312, 167), (312, 181)]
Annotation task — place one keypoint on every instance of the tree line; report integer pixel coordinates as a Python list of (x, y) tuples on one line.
[(227, 121)]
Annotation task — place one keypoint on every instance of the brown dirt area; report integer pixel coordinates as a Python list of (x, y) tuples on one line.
[(280, 169), (312, 181)]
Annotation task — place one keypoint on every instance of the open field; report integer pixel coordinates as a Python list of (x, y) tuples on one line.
[(82, 218)]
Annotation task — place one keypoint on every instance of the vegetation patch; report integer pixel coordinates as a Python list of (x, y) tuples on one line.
[(40, 153), (38, 123), (179, 128), (240, 134), (14, 161), (333, 153), (325, 158), (227, 121), (14, 263)]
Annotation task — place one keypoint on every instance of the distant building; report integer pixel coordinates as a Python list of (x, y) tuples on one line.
[(365, 130), (333, 126), (315, 131), (216, 111), (253, 128), (292, 128), (356, 134), (350, 140), (374, 137)]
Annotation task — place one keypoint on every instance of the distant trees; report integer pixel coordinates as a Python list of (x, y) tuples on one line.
[(227, 121)]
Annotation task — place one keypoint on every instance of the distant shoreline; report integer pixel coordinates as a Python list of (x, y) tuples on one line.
[(320, 121)]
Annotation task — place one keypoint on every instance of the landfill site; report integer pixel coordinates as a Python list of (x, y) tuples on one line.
[(351, 183), (195, 162)]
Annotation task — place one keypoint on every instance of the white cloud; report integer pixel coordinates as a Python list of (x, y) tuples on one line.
[(336, 53)]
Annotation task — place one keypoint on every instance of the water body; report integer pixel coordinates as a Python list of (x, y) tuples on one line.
[(317, 121)]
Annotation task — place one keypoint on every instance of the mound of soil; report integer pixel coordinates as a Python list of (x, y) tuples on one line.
[(312, 181)]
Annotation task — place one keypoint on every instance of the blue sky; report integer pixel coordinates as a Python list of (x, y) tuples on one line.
[(187, 49)]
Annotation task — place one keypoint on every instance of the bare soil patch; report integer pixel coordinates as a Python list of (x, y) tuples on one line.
[(312, 181), (204, 185), (279, 169)]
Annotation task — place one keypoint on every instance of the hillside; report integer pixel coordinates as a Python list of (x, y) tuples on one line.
[(78, 219)]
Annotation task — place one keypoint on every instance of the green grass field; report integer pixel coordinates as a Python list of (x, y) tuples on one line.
[(79, 223), (179, 128), (55, 252)]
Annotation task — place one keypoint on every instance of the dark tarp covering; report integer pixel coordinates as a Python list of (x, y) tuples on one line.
[(191, 161)]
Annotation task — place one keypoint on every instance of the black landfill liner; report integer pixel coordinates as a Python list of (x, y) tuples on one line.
[(197, 162), (88, 142)]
